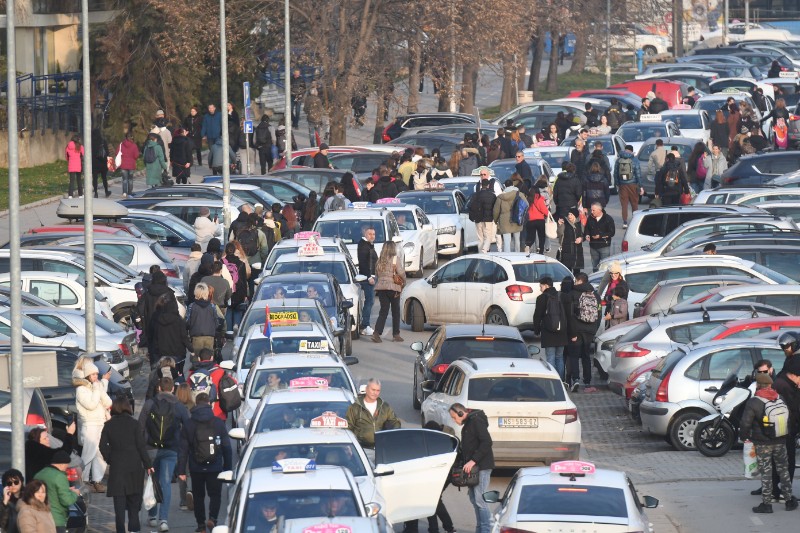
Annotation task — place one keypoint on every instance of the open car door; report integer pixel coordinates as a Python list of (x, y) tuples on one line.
[(421, 460)]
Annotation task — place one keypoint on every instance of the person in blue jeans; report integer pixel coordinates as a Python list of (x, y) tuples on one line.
[(476, 450), (163, 446), (550, 322), (367, 260)]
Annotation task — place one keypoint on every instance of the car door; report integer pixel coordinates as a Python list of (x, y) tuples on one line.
[(470, 230), (421, 460), (436, 407), (54, 292), (480, 288), (718, 366), (446, 302), (427, 237)]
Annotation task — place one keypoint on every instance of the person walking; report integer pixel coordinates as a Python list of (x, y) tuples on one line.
[(599, 230), (203, 319), (122, 446), (507, 226), (369, 414), (99, 161), (205, 451), (695, 171), (93, 403), (34, 513), (155, 162), (567, 190), (582, 310), (313, 108), (61, 495), (197, 379), (671, 181), (787, 384), (628, 177), (180, 156), (168, 336), (367, 265), (481, 212), (715, 164), (193, 124), (211, 129), (298, 92), (74, 154), (391, 279), (263, 138), (129, 154), (550, 321), (476, 451), (536, 215)]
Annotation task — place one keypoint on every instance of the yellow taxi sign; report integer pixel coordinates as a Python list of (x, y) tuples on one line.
[(284, 318), (313, 346)]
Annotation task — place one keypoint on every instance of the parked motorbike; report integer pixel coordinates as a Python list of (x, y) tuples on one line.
[(717, 433)]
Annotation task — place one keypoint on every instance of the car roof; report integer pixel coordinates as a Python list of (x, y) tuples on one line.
[(763, 320), (541, 475), (329, 257), (302, 329), (43, 274), (699, 207), (488, 330), (354, 214), (515, 257), (760, 289), (262, 480), (664, 320), (283, 396), (700, 280), (714, 345), (684, 260), (498, 365), (301, 436), (304, 276), (296, 360), (671, 140)]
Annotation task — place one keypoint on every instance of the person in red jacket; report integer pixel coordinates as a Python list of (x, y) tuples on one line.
[(130, 153), (74, 155), (537, 213), (207, 365)]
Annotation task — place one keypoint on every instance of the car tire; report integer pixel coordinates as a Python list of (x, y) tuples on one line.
[(417, 318), (463, 246), (419, 273), (416, 400), (347, 347), (682, 430), (715, 445), (649, 51), (496, 316), (123, 318), (435, 264)]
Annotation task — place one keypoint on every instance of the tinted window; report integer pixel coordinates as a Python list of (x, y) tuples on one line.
[(277, 252), (693, 290), (335, 375), (452, 349), (515, 389), (337, 268), (652, 225), (297, 504), (5, 446), (52, 322), (455, 272), (636, 334), (296, 415), (410, 445), (258, 347), (784, 262), (323, 453), (690, 332), (533, 272), (784, 302), (689, 122), (726, 362), (643, 281), (349, 230), (432, 204), (482, 271), (565, 500)]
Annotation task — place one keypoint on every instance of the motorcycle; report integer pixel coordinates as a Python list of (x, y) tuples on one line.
[(717, 433)]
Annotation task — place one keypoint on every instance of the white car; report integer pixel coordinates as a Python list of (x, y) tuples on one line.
[(723, 196), (693, 123), (189, 210), (447, 212), (66, 291), (419, 237), (554, 155), (605, 340), (137, 254), (348, 226), (288, 246), (630, 37), (755, 199), (495, 288), (531, 418), (468, 185), (571, 496), (636, 133)]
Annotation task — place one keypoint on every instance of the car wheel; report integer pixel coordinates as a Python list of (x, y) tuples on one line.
[(463, 249), (356, 332), (419, 273), (649, 51), (681, 431), (417, 316), (123, 318), (436, 256), (348, 343), (496, 316), (416, 394)]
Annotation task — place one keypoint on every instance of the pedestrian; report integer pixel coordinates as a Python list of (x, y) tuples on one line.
[(583, 318), (385, 187), (234, 263), (369, 414), (468, 162), (123, 448), (313, 108), (74, 153), (164, 368), (154, 160), (203, 319), (507, 226), (733, 120), (786, 383), (695, 171), (628, 177), (321, 157), (618, 312), (720, 134), (671, 181), (570, 241), (93, 403), (216, 156), (129, 154), (193, 124), (715, 164), (550, 321), (768, 446), (206, 366), (162, 419), (481, 212), (34, 513), (657, 158), (367, 266), (599, 230), (536, 216), (39, 449), (476, 451), (263, 142), (161, 128), (595, 186), (567, 190), (211, 129), (168, 336), (205, 229), (180, 156), (612, 280), (644, 110), (298, 93), (657, 104), (349, 187), (146, 305), (99, 161), (205, 451), (61, 495), (13, 481), (391, 277)]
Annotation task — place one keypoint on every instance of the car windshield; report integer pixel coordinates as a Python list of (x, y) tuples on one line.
[(504, 169), (777, 277), (452, 349), (296, 504), (466, 187), (258, 347), (405, 220), (687, 122), (303, 314), (647, 149), (554, 157), (710, 105), (515, 389), (297, 414), (320, 290), (30, 326), (431, 203), (582, 500), (533, 272), (335, 375), (337, 268), (323, 453), (279, 251), (642, 133), (349, 230)]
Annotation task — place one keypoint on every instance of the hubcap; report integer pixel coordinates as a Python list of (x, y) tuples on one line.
[(686, 433)]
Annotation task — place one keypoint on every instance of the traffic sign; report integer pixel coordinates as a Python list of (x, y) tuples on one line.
[(246, 91), (248, 126)]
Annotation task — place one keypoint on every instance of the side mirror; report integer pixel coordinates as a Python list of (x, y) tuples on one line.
[(650, 502), (227, 365), (383, 470), (373, 509), (433, 280), (256, 266), (338, 332), (237, 433), (361, 277), (491, 496), (427, 227), (229, 335), (428, 386), (533, 350), (417, 346), (346, 304), (350, 360), (226, 476)]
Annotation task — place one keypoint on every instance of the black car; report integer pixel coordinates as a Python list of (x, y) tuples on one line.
[(395, 129), (755, 170), (475, 341), (446, 144)]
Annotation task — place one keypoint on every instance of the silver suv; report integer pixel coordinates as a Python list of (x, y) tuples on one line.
[(674, 291)]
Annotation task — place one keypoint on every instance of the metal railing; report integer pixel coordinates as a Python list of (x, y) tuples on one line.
[(49, 101)]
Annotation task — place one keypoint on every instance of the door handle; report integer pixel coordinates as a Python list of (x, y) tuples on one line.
[(484, 289), (712, 389)]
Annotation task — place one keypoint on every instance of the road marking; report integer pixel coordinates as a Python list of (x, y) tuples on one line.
[(756, 520)]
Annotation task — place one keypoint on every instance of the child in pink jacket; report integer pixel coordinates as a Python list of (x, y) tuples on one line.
[(74, 155)]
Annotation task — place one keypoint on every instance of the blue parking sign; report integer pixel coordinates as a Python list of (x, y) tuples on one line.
[(248, 126)]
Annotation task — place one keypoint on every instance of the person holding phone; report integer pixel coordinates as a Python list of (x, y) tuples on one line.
[(13, 480), (93, 402)]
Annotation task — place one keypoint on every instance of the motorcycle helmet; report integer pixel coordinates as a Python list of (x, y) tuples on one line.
[(789, 340)]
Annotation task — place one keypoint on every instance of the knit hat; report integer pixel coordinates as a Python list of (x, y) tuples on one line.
[(650, 95), (89, 369), (323, 146), (615, 267), (160, 113), (763, 380), (61, 457)]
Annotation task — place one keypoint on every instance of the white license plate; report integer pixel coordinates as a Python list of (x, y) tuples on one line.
[(511, 422)]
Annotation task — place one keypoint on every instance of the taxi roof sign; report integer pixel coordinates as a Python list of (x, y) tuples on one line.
[(313, 346), (731, 90), (328, 419), (572, 468), (650, 117), (547, 143), (306, 235), (310, 249), (360, 205), (389, 201), (308, 382), (477, 171), (328, 528), (294, 465)]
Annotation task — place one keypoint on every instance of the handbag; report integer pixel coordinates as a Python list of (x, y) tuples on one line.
[(397, 279), (166, 181), (110, 165), (459, 478), (118, 158), (656, 202), (686, 198), (550, 227)]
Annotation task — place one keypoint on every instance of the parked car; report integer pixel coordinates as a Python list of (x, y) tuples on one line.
[(755, 169), (403, 123), (670, 292), (783, 296), (778, 258), (58, 289)]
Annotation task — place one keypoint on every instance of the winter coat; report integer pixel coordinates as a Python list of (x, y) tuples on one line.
[(321, 161), (385, 188), (192, 264), (502, 211), (476, 442), (58, 493), (201, 318), (168, 335), (720, 134), (263, 136), (35, 517), (550, 339), (636, 177), (194, 128), (8, 514), (100, 152), (212, 126), (602, 159), (216, 154), (579, 158), (733, 125), (155, 376), (537, 209), (154, 169), (206, 229), (468, 164), (576, 327), (751, 425), (180, 153), (419, 180), (130, 153), (212, 369), (571, 254), (522, 185), (239, 293), (74, 157), (657, 105), (481, 208), (123, 448), (234, 130), (38, 456), (715, 166), (147, 304), (385, 281), (364, 425), (524, 170), (567, 191), (595, 189), (181, 417), (661, 176), (92, 401), (619, 312), (204, 414), (367, 258), (604, 227), (791, 397)]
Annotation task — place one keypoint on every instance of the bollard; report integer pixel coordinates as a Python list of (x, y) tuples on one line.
[(640, 60)]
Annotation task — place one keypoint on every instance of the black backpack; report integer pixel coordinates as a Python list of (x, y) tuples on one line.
[(205, 442), (248, 238), (552, 315), (149, 154), (229, 397), (160, 423)]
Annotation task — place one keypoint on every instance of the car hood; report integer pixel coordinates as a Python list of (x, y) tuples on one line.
[(444, 220), (624, 257)]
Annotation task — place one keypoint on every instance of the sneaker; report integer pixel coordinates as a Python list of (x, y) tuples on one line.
[(201, 528), (376, 338), (756, 492), (183, 507), (547, 250), (574, 386), (124, 195), (397, 338), (189, 501), (624, 225), (152, 521), (163, 526), (791, 504), (763, 508), (367, 331)]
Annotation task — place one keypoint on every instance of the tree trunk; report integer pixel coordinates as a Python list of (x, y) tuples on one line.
[(536, 65), (340, 113), (414, 65), (380, 108), (468, 88), (552, 69), (522, 62), (507, 100), (579, 54)]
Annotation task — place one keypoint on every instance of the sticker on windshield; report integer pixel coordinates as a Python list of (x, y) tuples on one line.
[(284, 318), (328, 419), (328, 528), (313, 346), (308, 382)]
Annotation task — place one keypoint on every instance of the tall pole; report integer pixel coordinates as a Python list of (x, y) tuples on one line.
[(725, 24), (453, 106), (88, 193), (15, 372), (746, 15), (287, 71), (608, 43), (226, 157)]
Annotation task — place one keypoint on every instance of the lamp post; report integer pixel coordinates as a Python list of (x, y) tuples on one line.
[(287, 70), (88, 193), (608, 43), (226, 158)]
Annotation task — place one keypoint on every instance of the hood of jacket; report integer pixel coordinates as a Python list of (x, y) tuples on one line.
[(509, 194), (672, 165), (202, 413), (79, 381), (207, 366), (385, 179), (202, 303), (157, 289), (477, 417), (168, 317), (626, 154), (769, 394), (583, 287), (566, 176)]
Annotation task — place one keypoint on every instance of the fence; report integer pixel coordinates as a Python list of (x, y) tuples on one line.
[(48, 102)]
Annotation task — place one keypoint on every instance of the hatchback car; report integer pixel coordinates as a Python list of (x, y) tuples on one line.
[(495, 288), (670, 292), (411, 123), (138, 254), (754, 170), (685, 145), (290, 246), (67, 291), (693, 123), (348, 226), (420, 240), (783, 296), (636, 133)]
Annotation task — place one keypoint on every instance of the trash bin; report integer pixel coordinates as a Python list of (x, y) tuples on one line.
[(525, 97)]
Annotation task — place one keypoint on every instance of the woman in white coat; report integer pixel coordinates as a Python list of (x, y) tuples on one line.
[(93, 404)]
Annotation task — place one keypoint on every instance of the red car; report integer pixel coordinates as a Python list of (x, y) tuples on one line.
[(634, 379), (750, 327)]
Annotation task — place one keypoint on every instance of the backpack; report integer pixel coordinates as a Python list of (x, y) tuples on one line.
[(248, 238), (338, 203), (613, 118), (229, 397), (518, 209), (776, 414), (160, 423), (233, 269), (625, 169), (702, 171), (100, 152), (671, 179), (205, 442), (552, 314), (588, 310), (149, 154), (201, 382), (263, 136)]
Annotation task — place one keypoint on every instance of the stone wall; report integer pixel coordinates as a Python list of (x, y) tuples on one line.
[(36, 149)]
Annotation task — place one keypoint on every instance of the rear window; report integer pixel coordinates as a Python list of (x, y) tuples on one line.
[(349, 230), (337, 268), (452, 349), (777, 277), (533, 272), (515, 389), (573, 500), (688, 122), (258, 347), (636, 334), (338, 454)]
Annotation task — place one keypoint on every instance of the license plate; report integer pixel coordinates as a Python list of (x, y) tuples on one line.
[(511, 422)]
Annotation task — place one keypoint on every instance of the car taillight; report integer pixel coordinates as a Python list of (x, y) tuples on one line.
[(515, 292), (728, 180), (125, 350), (386, 137), (34, 420), (170, 272), (624, 246), (634, 350), (513, 530), (571, 414), (440, 368), (794, 117), (662, 394), (72, 474)]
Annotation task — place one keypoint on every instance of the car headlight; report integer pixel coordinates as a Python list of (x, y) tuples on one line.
[(718, 400), (334, 322), (447, 230), (608, 345), (408, 247)]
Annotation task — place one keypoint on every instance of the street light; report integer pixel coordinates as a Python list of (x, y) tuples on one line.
[(287, 67), (88, 193), (608, 43), (226, 158)]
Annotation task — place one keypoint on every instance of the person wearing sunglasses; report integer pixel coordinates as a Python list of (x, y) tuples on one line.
[(12, 489)]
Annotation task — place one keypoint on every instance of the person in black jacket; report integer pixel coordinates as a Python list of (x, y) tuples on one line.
[(348, 187), (481, 212), (567, 191), (476, 450), (553, 340), (239, 296), (367, 261), (263, 144), (368, 194), (123, 448), (671, 181), (100, 160), (206, 450), (321, 158), (168, 336), (194, 130), (599, 230), (581, 330), (786, 383), (385, 188), (180, 156), (147, 304)]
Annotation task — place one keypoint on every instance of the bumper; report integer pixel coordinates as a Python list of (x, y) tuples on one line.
[(618, 373), (656, 416), (522, 453), (617, 388), (449, 244), (412, 261), (520, 314)]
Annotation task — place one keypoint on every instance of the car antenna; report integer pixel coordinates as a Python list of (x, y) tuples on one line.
[(41, 224)]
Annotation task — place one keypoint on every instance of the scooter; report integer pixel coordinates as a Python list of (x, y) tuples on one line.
[(717, 433)]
